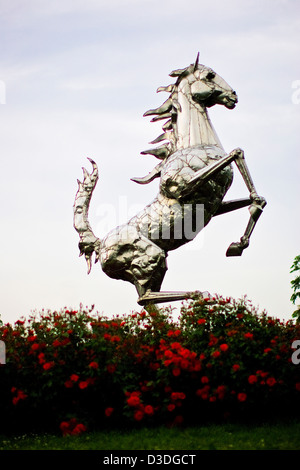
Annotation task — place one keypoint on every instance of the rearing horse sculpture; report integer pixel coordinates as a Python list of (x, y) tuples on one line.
[(194, 171)]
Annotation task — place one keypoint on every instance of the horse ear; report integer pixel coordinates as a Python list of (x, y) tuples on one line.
[(177, 73), (196, 62)]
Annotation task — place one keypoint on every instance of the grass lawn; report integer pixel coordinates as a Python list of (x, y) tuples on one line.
[(211, 437)]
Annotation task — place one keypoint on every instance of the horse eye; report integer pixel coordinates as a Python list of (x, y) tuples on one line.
[(210, 75)]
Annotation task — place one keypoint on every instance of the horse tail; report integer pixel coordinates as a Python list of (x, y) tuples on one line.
[(88, 242)]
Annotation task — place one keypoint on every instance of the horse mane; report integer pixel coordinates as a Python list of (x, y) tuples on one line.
[(168, 110)]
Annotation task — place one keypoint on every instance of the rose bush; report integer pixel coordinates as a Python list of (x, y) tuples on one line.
[(77, 370)]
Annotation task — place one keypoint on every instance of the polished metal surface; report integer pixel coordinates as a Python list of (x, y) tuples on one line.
[(195, 173)]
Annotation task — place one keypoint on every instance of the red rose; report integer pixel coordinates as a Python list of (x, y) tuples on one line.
[(242, 396), (32, 338), (74, 377), (224, 347), (133, 400), (197, 366), (176, 371), (69, 384), (94, 365), (171, 407), (138, 415), (64, 427), (271, 381), (149, 410), (79, 428), (204, 379), (21, 395), (178, 396), (248, 335), (48, 365), (185, 353), (252, 379), (168, 354), (201, 321), (116, 338), (184, 363), (111, 368), (41, 358), (216, 354), (83, 384), (236, 367), (221, 389), (108, 411), (213, 340), (203, 392)]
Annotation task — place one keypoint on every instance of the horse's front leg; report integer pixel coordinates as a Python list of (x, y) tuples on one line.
[(255, 209), (257, 202), (243, 169), (208, 172), (237, 248)]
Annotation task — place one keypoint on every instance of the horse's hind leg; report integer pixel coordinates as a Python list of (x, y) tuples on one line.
[(147, 271), (129, 256), (148, 267)]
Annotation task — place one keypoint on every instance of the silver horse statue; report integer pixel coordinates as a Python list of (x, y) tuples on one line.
[(194, 171)]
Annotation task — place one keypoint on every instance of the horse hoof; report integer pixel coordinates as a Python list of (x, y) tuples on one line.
[(235, 249)]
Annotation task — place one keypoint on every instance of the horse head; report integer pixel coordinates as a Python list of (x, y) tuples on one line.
[(197, 87), (204, 86)]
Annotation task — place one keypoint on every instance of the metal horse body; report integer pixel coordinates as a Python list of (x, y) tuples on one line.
[(194, 170)]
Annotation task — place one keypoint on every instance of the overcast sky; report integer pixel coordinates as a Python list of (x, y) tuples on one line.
[(76, 77)]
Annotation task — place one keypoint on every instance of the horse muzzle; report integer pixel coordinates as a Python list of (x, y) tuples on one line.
[(229, 100)]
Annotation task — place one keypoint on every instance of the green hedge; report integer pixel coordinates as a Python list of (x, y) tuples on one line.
[(73, 371)]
